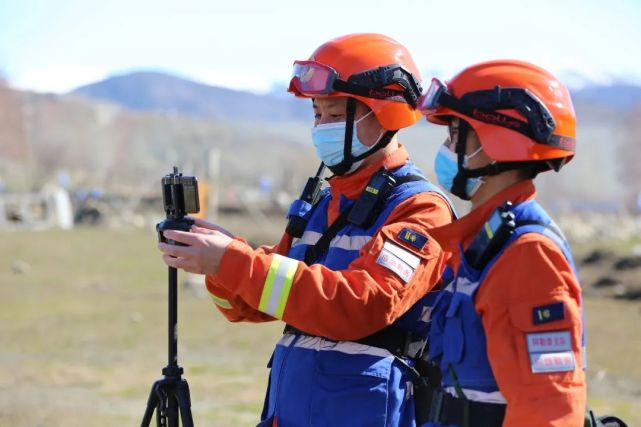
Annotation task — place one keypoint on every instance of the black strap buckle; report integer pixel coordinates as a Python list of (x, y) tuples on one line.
[(447, 409)]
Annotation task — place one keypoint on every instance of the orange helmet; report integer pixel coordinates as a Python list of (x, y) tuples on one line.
[(520, 112), (372, 68)]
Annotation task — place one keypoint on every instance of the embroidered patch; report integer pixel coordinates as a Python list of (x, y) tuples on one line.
[(548, 313), (399, 260), (551, 351), (561, 361), (413, 238)]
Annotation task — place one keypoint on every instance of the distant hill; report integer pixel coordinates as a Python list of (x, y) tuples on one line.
[(622, 97), (160, 92)]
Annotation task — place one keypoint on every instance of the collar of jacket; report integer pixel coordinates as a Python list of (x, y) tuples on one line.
[(353, 184), (462, 231)]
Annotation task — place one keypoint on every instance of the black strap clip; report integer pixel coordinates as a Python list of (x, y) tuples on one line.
[(371, 200), (492, 237)]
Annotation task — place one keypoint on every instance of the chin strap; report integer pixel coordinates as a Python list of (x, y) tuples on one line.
[(460, 180), (348, 160), (495, 168)]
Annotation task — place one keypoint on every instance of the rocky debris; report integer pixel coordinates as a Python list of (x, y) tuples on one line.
[(611, 273), (606, 282), (628, 263), (596, 256), (21, 267), (629, 294)]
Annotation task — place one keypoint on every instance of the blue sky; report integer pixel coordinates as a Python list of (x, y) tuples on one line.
[(56, 45)]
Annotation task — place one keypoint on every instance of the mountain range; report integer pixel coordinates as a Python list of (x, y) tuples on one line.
[(166, 93), (124, 132)]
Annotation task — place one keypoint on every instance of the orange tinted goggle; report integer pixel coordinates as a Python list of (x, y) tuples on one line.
[(430, 99), (312, 78)]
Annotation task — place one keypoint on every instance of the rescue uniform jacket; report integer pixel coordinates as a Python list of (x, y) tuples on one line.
[(369, 278), (511, 332)]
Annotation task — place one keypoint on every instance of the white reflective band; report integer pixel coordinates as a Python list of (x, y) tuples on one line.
[(277, 286), (479, 396), (465, 285), (322, 344), (426, 314), (220, 302), (308, 238), (350, 243)]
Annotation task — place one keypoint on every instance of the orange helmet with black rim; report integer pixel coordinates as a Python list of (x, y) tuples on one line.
[(520, 112), (372, 68)]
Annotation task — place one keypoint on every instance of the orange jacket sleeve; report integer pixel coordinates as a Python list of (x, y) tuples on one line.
[(232, 306), (350, 303), (532, 275)]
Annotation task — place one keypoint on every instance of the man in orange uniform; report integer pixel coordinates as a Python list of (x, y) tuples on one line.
[(352, 283), (507, 330)]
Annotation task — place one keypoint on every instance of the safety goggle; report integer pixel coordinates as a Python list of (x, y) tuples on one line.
[(484, 105), (430, 99), (312, 78)]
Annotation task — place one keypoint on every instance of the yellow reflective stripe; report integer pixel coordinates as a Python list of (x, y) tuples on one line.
[(220, 302), (488, 230), (277, 286), (287, 286), (269, 283)]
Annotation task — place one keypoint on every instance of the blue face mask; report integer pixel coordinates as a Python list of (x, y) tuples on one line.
[(446, 168), (329, 139)]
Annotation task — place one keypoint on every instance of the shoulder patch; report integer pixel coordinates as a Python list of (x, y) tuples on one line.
[(548, 313), (412, 238), (399, 260)]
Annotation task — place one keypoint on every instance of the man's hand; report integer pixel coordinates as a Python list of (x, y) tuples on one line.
[(205, 227), (203, 253)]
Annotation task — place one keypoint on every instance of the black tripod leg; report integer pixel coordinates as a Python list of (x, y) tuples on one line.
[(152, 403), (172, 413), (184, 402)]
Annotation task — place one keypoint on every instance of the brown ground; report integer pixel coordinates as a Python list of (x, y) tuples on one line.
[(83, 335)]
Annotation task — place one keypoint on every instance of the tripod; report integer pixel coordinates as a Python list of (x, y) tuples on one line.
[(170, 396)]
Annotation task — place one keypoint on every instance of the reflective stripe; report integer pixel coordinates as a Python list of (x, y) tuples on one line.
[(308, 238), (220, 302), (488, 230), (479, 396), (350, 243), (277, 286), (322, 344)]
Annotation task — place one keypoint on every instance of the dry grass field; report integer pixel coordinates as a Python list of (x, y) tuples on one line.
[(83, 337)]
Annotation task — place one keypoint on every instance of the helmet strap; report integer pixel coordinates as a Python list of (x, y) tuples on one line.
[(460, 180), (495, 168), (348, 160)]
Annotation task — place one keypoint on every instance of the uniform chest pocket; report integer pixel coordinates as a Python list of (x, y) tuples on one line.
[(453, 338)]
